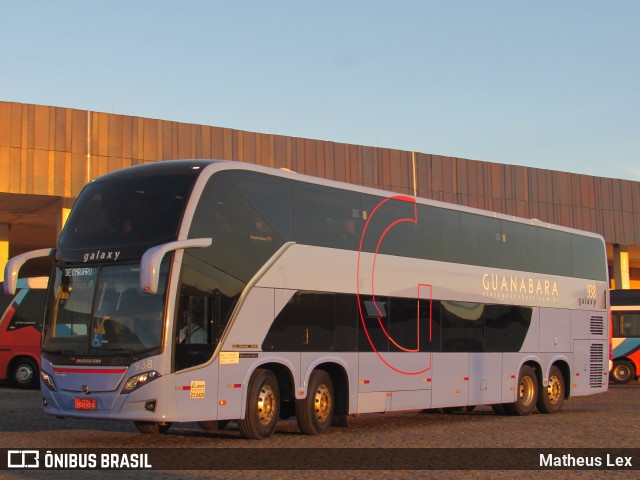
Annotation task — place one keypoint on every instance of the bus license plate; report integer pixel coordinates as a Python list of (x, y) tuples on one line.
[(86, 403)]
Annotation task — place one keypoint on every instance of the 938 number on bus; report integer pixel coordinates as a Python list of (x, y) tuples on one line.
[(592, 290), (143, 364)]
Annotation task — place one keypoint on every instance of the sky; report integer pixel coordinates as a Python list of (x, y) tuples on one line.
[(548, 84)]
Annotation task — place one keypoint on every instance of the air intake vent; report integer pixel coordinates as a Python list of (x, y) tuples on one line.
[(596, 365), (597, 326)]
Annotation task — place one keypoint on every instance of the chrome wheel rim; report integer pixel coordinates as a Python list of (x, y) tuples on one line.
[(554, 389), (322, 403), (526, 390), (24, 374), (266, 404), (621, 372)]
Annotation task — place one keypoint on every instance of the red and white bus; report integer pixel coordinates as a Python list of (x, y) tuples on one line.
[(20, 332), (625, 335)]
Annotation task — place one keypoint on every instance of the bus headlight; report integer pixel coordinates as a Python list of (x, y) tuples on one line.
[(48, 381), (139, 380)]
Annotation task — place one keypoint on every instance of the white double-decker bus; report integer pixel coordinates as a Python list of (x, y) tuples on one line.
[(214, 291)]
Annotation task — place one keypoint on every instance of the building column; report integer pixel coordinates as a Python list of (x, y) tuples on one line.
[(4, 248), (65, 208), (621, 266)]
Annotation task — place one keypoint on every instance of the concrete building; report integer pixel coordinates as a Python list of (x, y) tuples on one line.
[(47, 154)]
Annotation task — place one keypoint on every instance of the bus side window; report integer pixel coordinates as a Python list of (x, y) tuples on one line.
[(5, 300), (194, 331), (29, 312), (630, 325), (616, 325), (194, 319)]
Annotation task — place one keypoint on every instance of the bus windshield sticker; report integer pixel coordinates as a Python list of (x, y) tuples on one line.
[(78, 272), (96, 341)]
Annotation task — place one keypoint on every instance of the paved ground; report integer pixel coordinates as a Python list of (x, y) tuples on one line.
[(606, 421)]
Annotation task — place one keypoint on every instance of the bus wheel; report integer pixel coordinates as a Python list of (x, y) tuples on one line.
[(213, 425), (152, 428), (24, 373), (263, 405), (623, 371), (551, 397), (314, 413), (527, 390)]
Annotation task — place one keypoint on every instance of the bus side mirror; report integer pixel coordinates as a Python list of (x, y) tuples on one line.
[(13, 266), (150, 263)]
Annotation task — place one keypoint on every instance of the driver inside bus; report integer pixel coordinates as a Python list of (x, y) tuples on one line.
[(190, 331)]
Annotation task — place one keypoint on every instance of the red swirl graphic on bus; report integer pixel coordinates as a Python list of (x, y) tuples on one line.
[(380, 314)]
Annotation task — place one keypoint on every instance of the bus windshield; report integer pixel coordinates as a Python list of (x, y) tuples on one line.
[(118, 219), (100, 310)]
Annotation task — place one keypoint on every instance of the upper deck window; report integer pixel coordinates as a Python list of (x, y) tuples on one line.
[(123, 214)]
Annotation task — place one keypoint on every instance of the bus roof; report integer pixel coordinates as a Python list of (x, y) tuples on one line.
[(286, 173), (177, 166)]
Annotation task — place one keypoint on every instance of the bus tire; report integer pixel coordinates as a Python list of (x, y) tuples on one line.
[(25, 373), (623, 372), (213, 425), (551, 397), (152, 428), (263, 405), (314, 413), (527, 393)]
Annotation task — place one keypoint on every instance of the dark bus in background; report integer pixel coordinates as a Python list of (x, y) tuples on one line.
[(20, 329), (625, 335)]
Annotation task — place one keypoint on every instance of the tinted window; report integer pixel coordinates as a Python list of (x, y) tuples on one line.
[(462, 326), (374, 315), (480, 242), (207, 298), (554, 252), (307, 323), (243, 240), (131, 212), (410, 320), (318, 321), (5, 299), (29, 310), (270, 197), (347, 321), (588, 258), (506, 327), (327, 217), (438, 234), (520, 246), (626, 324), (390, 226)]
